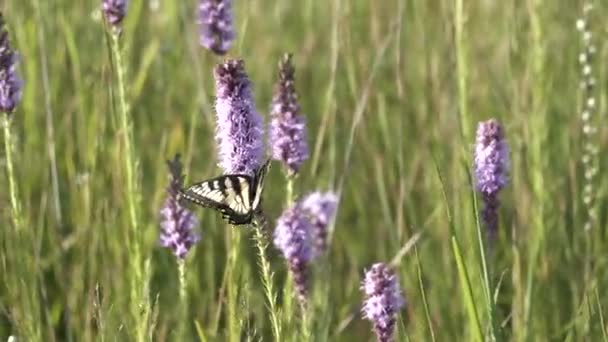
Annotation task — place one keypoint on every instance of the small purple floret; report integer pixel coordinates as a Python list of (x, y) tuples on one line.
[(239, 126), (177, 222), (114, 11), (10, 83), (292, 238), (215, 20), (383, 300), (321, 208), (491, 167), (288, 137)]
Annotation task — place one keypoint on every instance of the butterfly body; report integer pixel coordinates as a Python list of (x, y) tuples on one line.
[(237, 196)]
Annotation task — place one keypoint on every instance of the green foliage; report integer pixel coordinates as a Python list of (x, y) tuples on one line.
[(392, 91)]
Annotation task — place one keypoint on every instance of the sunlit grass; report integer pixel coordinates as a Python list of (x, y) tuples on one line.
[(392, 92)]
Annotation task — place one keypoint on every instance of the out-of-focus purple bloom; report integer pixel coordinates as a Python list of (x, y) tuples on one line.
[(383, 300), (10, 83), (239, 127), (114, 11), (491, 167), (321, 208), (292, 238), (288, 137), (215, 20), (177, 222)]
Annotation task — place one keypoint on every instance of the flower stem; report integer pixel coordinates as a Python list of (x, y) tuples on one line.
[(138, 281), (267, 278), (233, 284), (8, 145), (183, 300)]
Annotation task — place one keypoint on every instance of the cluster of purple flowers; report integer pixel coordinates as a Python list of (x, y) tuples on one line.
[(10, 83), (177, 222), (114, 12), (383, 300), (215, 20), (288, 128), (301, 235), (491, 166)]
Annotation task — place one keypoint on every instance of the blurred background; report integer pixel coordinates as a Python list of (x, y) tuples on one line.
[(392, 92)]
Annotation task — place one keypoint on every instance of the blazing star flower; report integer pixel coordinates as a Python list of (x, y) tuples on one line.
[(491, 166), (383, 300), (292, 238), (114, 11), (239, 127), (10, 83), (288, 136), (177, 222), (215, 20), (321, 208)]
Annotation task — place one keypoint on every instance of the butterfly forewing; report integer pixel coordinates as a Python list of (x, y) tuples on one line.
[(237, 197)]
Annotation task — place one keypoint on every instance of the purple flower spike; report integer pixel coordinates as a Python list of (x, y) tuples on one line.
[(10, 83), (292, 238), (239, 126), (215, 20), (114, 11), (383, 300), (491, 167), (321, 208), (177, 222), (288, 136)]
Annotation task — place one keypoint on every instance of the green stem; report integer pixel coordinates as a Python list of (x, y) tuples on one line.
[(183, 300), (233, 287), (8, 145), (267, 279), (139, 303), (289, 190), (461, 67)]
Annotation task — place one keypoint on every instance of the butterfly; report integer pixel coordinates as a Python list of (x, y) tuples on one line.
[(238, 196)]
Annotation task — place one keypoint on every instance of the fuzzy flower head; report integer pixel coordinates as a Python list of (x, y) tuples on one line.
[(292, 238), (239, 126), (491, 157), (215, 20), (114, 11), (10, 83), (383, 300), (321, 209), (288, 137), (177, 222)]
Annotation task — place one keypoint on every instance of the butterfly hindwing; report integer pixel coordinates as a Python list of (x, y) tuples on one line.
[(237, 197)]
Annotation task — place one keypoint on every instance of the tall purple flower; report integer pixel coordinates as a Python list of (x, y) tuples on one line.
[(177, 222), (239, 126), (321, 208), (114, 11), (215, 20), (292, 238), (10, 83), (288, 136), (383, 300), (491, 167)]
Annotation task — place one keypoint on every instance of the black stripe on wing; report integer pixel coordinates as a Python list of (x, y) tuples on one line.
[(229, 194)]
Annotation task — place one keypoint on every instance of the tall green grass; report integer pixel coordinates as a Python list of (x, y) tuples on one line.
[(392, 91)]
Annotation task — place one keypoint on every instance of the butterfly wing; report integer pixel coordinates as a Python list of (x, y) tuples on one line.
[(230, 194), (258, 186)]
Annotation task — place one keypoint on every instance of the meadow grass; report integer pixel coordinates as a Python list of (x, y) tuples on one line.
[(392, 92)]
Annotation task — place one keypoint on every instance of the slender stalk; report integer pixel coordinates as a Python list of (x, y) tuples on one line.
[(234, 332), (289, 197), (267, 278), (183, 300), (139, 305), (8, 145), (461, 67)]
